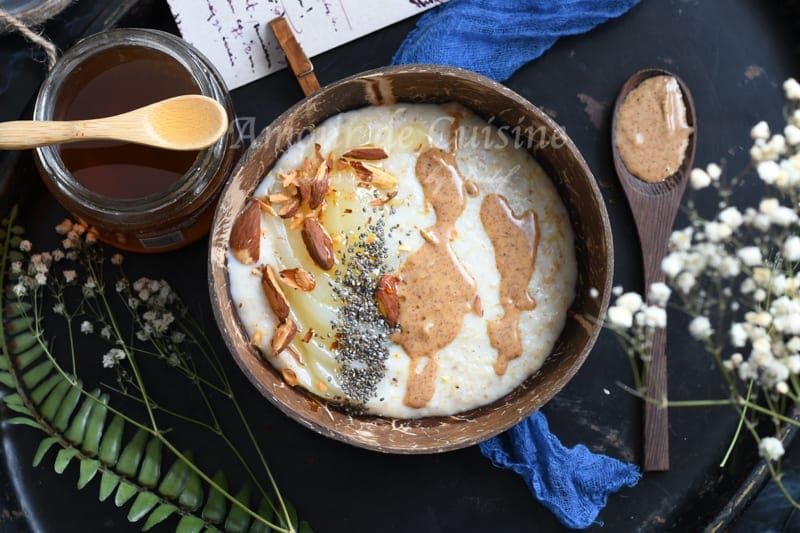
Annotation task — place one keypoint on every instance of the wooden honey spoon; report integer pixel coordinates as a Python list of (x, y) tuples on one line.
[(654, 207), (188, 122)]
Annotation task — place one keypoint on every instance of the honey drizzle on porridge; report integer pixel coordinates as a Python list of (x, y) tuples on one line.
[(515, 241)]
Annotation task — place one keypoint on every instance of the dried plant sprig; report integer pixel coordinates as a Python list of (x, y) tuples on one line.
[(737, 275), (71, 283)]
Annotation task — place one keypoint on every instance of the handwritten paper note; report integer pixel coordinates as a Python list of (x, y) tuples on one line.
[(235, 35)]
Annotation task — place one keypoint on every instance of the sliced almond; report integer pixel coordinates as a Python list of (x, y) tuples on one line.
[(428, 236), (288, 179), (284, 334), (380, 178), (265, 207), (298, 278), (369, 153), (291, 208), (274, 293), (319, 187), (308, 336), (387, 299), (289, 377), (377, 202), (278, 198), (245, 240), (318, 243), (363, 173)]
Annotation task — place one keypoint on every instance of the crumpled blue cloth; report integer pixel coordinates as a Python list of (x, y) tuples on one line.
[(496, 37), (573, 483)]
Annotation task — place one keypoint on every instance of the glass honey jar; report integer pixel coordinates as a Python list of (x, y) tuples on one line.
[(138, 198)]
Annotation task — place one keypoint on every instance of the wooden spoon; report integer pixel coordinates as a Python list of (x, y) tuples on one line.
[(654, 207), (188, 122)]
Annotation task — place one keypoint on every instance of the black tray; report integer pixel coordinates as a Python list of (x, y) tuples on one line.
[(734, 56)]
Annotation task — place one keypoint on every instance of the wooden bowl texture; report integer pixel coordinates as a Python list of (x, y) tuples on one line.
[(559, 157)]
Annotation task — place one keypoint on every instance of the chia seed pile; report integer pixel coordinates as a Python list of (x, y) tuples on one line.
[(360, 329)]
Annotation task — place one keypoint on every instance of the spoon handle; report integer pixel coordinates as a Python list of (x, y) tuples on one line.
[(654, 219), (22, 134)]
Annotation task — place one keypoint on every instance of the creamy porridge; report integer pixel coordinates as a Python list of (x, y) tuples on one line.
[(408, 260)]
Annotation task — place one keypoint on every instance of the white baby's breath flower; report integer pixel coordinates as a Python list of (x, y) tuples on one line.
[(631, 301), (770, 448), (654, 316), (19, 289), (731, 217), (792, 134), (113, 357), (793, 363), (659, 293), (25, 246), (783, 216), (64, 227), (768, 171), (16, 267), (717, 232), (750, 255), (714, 171), (782, 388), (760, 295), (41, 278), (620, 316), (791, 89), (87, 327), (791, 248), (738, 335), (699, 179), (70, 275), (117, 259), (672, 265), (686, 281), (616, 291), (681, 240), (58, 308), (760, 131), (700, 328), (106, 332)]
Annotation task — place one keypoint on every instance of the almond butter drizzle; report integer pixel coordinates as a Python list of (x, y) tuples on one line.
[(434, 288), (515, 241)]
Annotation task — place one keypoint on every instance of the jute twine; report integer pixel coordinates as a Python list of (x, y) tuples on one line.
[(25, 23)]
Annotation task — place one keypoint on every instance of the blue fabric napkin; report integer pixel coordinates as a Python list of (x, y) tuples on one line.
[(496, 37), (573, 483)]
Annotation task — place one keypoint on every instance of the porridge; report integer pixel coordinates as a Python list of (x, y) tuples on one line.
[(407, 260)]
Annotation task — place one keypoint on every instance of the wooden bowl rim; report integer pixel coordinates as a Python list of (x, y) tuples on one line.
[(423, 429)]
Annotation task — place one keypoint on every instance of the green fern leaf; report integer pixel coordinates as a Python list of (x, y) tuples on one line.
[(17, 325), (34, 376), (265, 511), (50, 406), (142, 505), (215, 508), (21, 342), (175, 479), (21, 409), (77, 427), (108, 482), (16, 309), (111, 443), (61, 421), (159, 514), (151, 466), (89, 469), (304, 527), (43, 448), (190, 524), (128, 463), (238, 519), (125, 492), (13, 399), (65, 455), (192, 496), (24, 421), (7, 380), (28, 357), (94, 427), (43, 389)]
